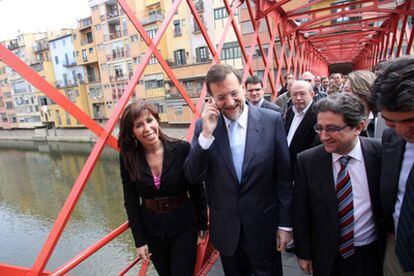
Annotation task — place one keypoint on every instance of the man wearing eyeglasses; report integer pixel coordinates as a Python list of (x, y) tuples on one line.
[(241, 153), (336, 194), (255, 93), (394, 94)]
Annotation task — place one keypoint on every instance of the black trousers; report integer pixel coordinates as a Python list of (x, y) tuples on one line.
[(246, 263), (174, 256), (366, 261)]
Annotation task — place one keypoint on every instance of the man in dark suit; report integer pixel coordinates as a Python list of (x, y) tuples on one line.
[(241, 153), (300, 119), (309, 77), (394, 94), (336, 195), (255, 92)]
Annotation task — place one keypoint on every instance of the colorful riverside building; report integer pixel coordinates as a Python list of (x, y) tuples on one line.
[(69, 80), (8, 117), (24, 95), (87, 57)]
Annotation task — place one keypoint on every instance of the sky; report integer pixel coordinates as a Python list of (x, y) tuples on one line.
[(29, 16)]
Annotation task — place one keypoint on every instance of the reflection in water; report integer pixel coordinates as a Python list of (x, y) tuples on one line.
[(35, 181)]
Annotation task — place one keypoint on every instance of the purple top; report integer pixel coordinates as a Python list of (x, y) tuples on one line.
[(157, 181)]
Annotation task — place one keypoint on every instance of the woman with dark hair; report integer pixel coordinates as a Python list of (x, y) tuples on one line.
[(165, 211), (359, 83)]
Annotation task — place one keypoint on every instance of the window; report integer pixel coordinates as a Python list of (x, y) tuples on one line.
[(97, 27), (63, 42), (177, 28), (196, 27), (230, 50), (179, 57), (152, 32), (154, 84), (84, 55), (89, 37), (153, 60), (56, 60), (90, 50), (134, 38), (202, 54), (220, 13)]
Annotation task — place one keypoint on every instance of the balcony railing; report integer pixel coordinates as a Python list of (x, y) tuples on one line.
[(152, 19), (40, 46), (69, 64), (84, 23)]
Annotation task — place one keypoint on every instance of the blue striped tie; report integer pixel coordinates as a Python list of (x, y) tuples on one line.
[(404, 244), (345, 209)]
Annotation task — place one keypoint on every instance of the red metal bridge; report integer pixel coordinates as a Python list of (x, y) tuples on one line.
[(312, 36)]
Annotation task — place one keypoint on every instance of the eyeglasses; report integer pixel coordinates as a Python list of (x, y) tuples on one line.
[(308, 80), (222, 98), (328, 129), (254, 89)]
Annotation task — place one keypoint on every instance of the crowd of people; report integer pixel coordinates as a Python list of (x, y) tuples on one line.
[(302, 174)]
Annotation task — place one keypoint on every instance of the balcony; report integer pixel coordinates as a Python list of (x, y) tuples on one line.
[(69, 63), (115, 35), (152, 19), (85, 23), (86, 41), (199, 5), (40, 46), (13, 45)]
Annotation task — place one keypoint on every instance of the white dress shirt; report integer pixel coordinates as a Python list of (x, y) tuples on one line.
[(405, 171), (297, 119), (364, 226)]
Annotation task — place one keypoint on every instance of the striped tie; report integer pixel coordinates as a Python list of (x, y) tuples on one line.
[(345, 209), (404, 244)]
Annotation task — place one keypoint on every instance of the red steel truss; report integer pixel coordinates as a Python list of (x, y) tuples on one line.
[(361, 32)]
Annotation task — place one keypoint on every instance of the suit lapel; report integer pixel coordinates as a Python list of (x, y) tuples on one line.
[(254, 129), (289, 119), (326, 182), (169, 156), (222, 142), (305, 122)]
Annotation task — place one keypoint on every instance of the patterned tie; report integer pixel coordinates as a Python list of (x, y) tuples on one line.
[(237, 148), (345, 209), (404, 244)]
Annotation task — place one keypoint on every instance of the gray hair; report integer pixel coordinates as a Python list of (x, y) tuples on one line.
[(307, 84), (347, 105)]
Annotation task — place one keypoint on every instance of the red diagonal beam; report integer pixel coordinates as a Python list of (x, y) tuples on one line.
[(273, 7), (87, 169), (157, 54), (342, 14), (291, 15), (40, 83), (256, 23), (349, 23), (344, 30)]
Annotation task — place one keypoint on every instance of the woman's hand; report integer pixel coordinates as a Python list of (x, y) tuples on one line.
[(201, 239), (143, 252)]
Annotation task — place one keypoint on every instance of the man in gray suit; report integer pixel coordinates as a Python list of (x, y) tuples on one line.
[(241, 153), (255, 92), (336, 206), (393, 91)]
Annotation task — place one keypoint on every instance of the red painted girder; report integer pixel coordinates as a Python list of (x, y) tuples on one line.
[(156, 53), (404, 23), (128, 268), (69, 265), (324, 18), (259, 42), (349, 23), (291, 15), (273, 7), (235, 4), (13, 270), (40, 83), (216, 59), (352, 34), (307, 5), (84, 175), (353, 28), (269, 30), (270, 58)]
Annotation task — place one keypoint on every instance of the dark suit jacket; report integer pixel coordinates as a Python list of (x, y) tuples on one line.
[(263, 200), (271, 106), (304, 137), (394, 148), (173, 183), (316, 224)]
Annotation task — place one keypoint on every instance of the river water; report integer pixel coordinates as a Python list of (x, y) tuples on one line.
[(35, 180)]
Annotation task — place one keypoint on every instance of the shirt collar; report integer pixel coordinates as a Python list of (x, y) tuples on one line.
[(304, 110), (259, 104), (355, 153), (242, 120)]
